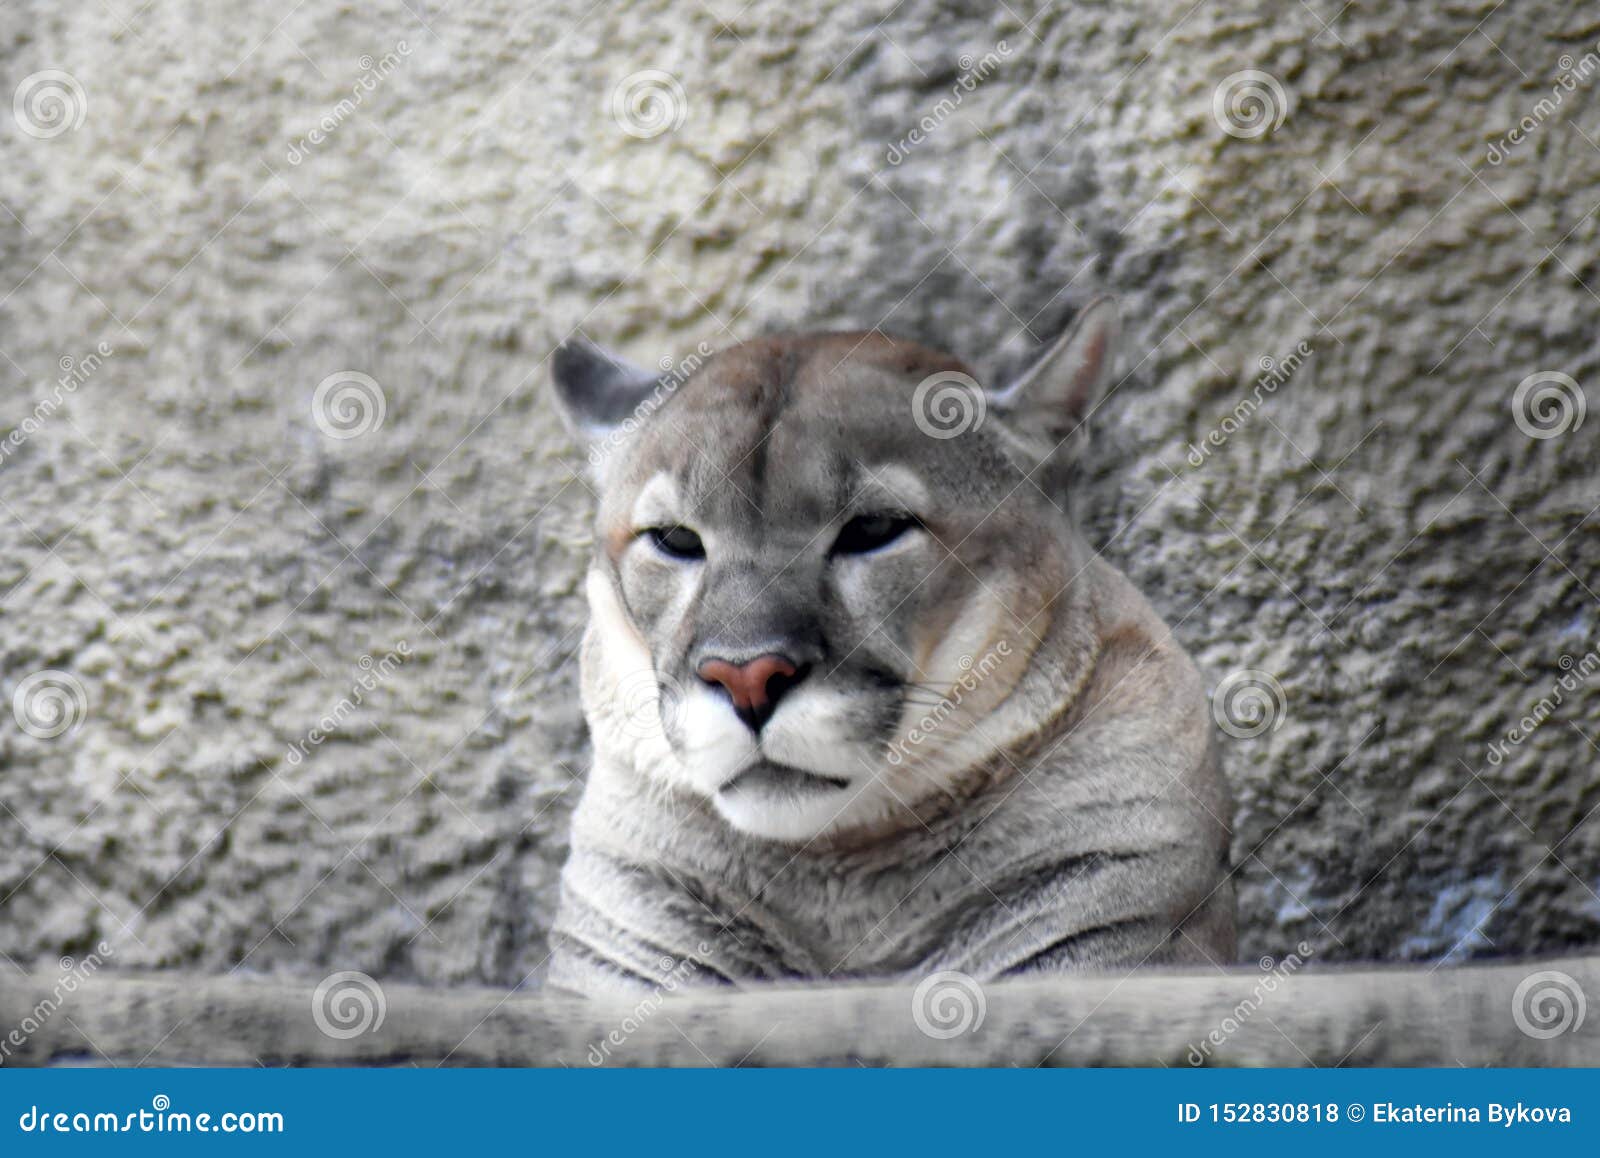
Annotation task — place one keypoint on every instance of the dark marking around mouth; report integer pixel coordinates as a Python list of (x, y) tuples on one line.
[(766, 776)]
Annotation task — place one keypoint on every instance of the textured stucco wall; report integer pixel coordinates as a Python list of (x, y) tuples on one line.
[(210, 567)]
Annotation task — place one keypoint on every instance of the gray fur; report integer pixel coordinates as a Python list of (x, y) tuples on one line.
[(1001, 762), (598, 390)]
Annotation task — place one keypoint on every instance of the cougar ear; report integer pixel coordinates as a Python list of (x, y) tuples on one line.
[(1060, 390), (597, 391)]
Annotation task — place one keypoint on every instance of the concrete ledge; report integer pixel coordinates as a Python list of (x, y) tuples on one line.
[(1384, 1016)]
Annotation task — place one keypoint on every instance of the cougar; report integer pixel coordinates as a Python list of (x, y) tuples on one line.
[(863, 702)]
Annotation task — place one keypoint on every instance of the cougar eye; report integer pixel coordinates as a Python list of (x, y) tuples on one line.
[(869, 532), (678, 542)]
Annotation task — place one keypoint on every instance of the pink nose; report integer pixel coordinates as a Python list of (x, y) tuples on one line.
[(754, 687)]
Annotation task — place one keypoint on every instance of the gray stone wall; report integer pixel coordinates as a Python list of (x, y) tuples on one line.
[(274, 217)]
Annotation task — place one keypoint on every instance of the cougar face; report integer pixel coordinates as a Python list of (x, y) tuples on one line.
[(806, 547)]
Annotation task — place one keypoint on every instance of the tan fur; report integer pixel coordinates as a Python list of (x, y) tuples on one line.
[(1033, 784)]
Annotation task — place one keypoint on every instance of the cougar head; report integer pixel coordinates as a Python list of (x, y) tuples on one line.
[(823, 564)]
